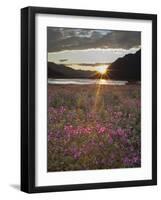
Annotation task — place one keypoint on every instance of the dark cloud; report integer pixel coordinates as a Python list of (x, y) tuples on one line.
[(59, 39)]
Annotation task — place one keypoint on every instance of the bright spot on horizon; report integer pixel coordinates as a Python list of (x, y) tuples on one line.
[(102, 69)]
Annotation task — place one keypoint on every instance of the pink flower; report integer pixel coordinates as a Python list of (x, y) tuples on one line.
[(102, 130), (110, 140), (120, 132)]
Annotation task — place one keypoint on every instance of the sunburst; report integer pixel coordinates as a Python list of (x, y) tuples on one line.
[(102, 69)]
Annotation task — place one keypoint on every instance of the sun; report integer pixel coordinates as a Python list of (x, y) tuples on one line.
[(102, 69)]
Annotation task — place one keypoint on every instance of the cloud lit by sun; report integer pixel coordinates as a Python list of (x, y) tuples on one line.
[(102, 69)]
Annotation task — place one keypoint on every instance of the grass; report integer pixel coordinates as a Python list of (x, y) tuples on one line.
[(93, 127)]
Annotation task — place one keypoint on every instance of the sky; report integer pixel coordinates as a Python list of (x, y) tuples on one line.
[(85, 48)]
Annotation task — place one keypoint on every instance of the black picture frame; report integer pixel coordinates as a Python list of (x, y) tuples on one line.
[(28, 98)]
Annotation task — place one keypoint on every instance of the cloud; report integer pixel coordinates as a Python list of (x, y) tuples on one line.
[(59, 39), (88, 56)]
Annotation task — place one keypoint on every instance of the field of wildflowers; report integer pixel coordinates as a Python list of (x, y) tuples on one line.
[(93, 127)]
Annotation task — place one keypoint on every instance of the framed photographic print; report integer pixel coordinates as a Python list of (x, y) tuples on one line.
[(88, 99)]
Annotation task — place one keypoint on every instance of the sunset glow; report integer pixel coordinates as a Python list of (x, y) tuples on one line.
[(102, 69)]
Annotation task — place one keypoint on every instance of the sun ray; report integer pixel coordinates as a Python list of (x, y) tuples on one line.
[(103, 72), (97, 94), (102, 69)]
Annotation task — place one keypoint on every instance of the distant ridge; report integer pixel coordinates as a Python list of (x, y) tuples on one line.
[(126, 68), (62, 71)]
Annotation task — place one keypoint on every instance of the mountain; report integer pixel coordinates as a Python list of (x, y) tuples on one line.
[(62, 71), (126, 68)]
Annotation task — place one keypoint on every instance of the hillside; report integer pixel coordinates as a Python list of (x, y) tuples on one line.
[(62, 71), (126, 68)]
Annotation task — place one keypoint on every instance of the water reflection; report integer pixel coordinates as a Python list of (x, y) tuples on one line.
[(86, 81)]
